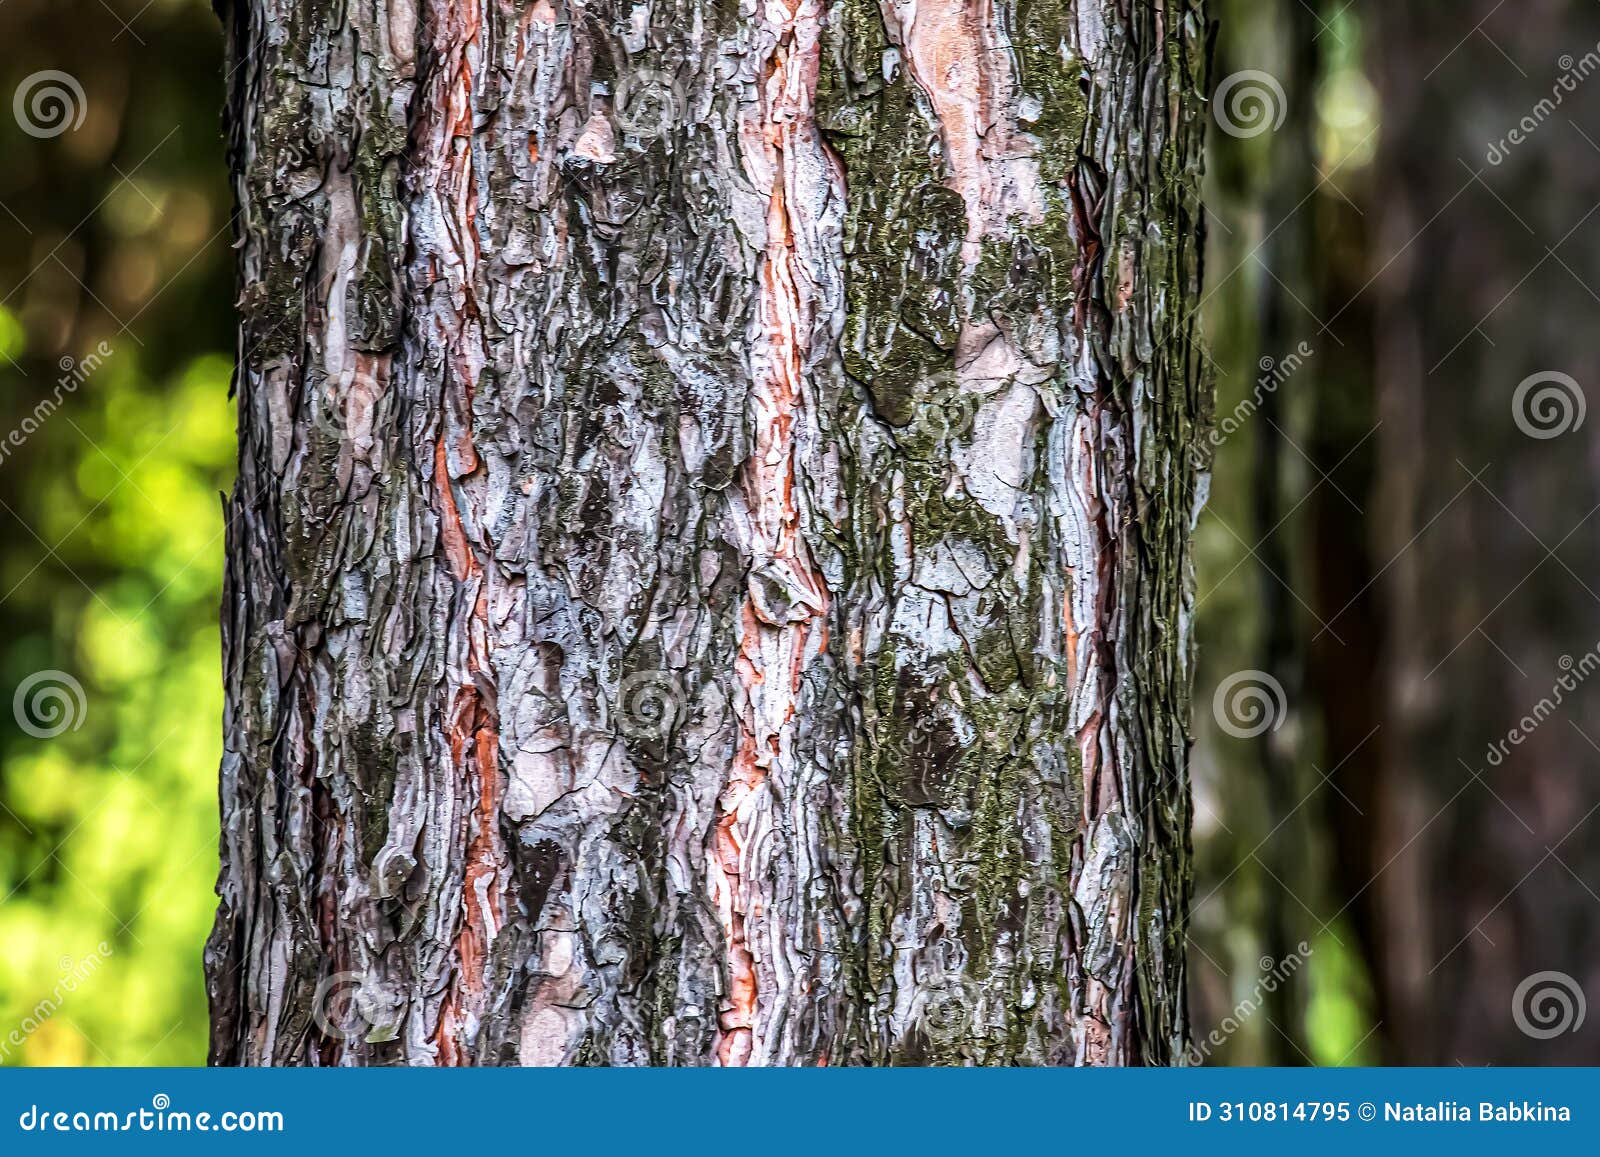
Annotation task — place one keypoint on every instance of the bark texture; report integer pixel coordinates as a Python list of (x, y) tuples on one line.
[(708, 581)]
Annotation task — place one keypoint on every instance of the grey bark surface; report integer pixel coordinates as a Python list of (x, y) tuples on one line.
[(708, 580)]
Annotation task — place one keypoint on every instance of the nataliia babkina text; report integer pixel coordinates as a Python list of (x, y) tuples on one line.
[(1531, 1111)]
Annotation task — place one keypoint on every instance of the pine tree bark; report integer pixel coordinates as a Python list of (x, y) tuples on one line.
[(708, 580)]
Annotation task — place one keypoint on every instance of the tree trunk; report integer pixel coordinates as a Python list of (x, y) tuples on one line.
[(708, 580)]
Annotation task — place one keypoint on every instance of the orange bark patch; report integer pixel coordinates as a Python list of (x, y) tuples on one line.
[(456, 548), (961, 62), (472, 724), (772, 654)]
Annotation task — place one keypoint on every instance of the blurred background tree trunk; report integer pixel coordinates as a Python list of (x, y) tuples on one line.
[(1288, 299), (1416, 506), (1482, 856), (708, 580)]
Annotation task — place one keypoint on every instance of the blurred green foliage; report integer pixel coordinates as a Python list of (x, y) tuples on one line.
[(1239, 895), (112, 232)]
